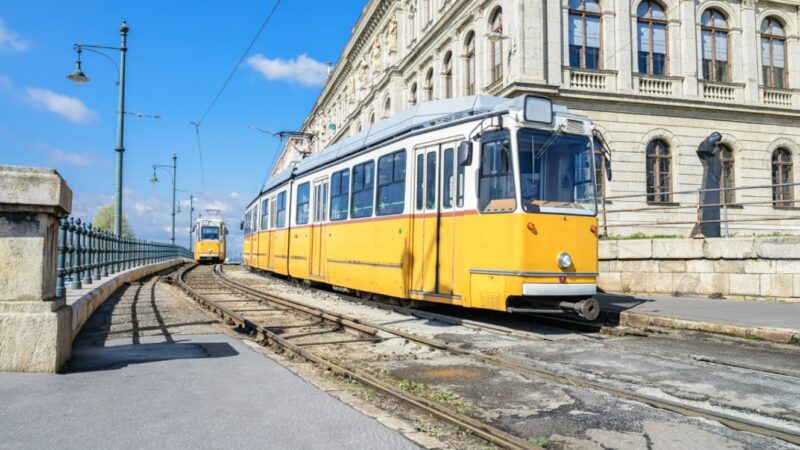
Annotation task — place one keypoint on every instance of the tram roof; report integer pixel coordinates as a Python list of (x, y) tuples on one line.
[(420, 116)]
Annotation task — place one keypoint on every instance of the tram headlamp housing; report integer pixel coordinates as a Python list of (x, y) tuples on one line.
[(564, 260)]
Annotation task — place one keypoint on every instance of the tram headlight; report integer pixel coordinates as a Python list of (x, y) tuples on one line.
[(564, 260)]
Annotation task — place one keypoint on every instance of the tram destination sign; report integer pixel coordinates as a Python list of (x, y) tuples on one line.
[(538, 109)]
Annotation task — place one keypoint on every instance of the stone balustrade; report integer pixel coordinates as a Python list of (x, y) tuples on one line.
[(749, 268)]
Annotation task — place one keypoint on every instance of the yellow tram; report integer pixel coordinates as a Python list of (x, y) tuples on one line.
[(210, 235), (481, 202)]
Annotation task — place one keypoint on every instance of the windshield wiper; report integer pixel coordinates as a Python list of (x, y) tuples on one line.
[(549, 142)]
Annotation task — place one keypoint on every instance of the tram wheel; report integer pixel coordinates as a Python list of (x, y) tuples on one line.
[(365, 295), (408, 303)]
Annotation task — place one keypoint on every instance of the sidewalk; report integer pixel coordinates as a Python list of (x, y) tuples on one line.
[(771, 321), (152, 370)]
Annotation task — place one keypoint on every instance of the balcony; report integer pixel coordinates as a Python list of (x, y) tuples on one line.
[(657, 86), (590, 80), (781, 98), (721, 92)]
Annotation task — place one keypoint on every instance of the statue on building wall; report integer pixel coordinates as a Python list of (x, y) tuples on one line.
[(351, 89), (362, 74), (392, 35), (376, 57)]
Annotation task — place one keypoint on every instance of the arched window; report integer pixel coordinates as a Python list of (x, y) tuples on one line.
[(652, 31), (726, 179), (447, 75), (716, 60), (782, 174), (584, 34), (469, 53), (413, 99), (659, 174), (773, 53), (429, 85), (387, 107), (496, 40), (372, 118)]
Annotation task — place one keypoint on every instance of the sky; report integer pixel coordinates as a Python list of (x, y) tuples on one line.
[(180, 53)]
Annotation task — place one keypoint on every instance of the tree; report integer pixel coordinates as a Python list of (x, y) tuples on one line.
[(104, 220)]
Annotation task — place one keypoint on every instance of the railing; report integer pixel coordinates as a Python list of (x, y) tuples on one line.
[(721, 92), (776, 97), (782, 208), (656, 86), (85, 254), (590, 80)]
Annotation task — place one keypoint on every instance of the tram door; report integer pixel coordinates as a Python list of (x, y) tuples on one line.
[(273, 210), (447, 218), (425, 221), (318, 228)]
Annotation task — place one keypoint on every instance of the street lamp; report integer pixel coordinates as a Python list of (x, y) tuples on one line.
[(79, 77), (154, 180)]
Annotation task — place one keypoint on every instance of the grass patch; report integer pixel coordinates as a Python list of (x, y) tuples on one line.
[(539, 442), (436, 395)]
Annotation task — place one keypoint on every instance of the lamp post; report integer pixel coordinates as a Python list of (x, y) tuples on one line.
[(79, 77), (191, 215), (154, 180)]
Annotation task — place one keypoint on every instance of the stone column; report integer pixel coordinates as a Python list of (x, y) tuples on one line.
[(35, 325), (620, 41), (553, 41), (749, 42)]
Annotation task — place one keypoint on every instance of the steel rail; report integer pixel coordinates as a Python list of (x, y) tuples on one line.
[(571, 380), (267, 337)]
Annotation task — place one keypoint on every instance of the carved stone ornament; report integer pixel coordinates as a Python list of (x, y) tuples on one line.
[(376, 57), (392, 38)]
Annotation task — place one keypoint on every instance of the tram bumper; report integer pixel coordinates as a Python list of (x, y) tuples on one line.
[(574, 297)]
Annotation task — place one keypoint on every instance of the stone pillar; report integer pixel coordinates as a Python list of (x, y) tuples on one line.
[(749, 42), (35, 325)]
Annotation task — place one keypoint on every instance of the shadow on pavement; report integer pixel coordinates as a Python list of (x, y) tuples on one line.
[(92, 358)]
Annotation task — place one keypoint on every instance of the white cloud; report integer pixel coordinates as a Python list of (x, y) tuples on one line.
[(218, 205), (233, 195), (10, 41), (58, 157), (303, 70), (70, 108)]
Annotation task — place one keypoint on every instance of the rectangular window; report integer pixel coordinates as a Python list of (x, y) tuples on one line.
[(430, 181), (592, 42), (496, 185), (280, 214), (363, 181), (447, 181), (460, 186), (340, 193), (246, 224), (209, 233), (303, 202), (264, 214), (420, 181), (575, 40), (391, 183)]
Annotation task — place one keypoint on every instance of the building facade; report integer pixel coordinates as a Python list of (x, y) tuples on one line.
[(656, 77)]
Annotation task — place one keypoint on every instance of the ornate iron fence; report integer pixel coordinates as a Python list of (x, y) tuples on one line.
[(86, 254)]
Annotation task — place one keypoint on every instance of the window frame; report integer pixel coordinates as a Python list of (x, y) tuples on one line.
[(651, 22), (428, 88), (302, 217), (727, 197), (713, 30), (469, 61), (362, 190), (496, 26), (583, 13), (264, 214), (393, 181), (495, 136), (280, 208), (771, 38), (447, 74), (344, 191), (660, 194), (781, 195)]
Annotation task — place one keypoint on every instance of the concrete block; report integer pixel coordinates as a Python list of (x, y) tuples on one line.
[(672, 266), (640, 265), (699, 266), (788, 266), (713, 283), (635, 249), (729, 266), (796, 286), (33, 189), (685, 283), (633, 282), (777, 285), (677, 248), (609, 281), (729, 248), (748, 285), (759, 266), (603, 266), (659, 283), (778, 247), (607, 249), (34, 336)]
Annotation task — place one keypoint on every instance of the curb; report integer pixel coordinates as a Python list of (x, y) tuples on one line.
[(764, 334)]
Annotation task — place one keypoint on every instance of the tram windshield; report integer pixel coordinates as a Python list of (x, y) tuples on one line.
[(556, 172), (209, 233)]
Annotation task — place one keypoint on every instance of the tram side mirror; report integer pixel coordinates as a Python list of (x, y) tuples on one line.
[(226, 231), (465, 153), (608, 166), (241, 225)]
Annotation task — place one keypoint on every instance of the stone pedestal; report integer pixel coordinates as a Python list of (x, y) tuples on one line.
[(35, 325)]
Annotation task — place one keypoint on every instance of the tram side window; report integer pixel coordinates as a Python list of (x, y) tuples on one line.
[(496, 184), (264, 214), (246, 225), (447, 182), (340, 193), (303, 202), (363, 180), (280, 215), (391, 183), (430, 179), (460, 177)]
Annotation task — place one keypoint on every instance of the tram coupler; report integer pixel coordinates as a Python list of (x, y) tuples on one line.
[(588, 308)]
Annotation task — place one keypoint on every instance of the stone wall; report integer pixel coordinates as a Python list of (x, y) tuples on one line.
[(744, 268)]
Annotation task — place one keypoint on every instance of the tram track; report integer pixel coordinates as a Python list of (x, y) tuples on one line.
[(274, 337), (732, 421)]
